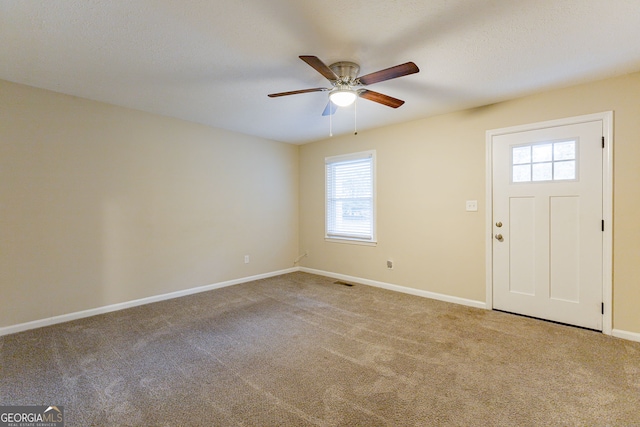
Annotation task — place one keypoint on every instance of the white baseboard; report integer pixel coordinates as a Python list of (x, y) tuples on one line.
[(123, 305), (397, 288), (631, 336)]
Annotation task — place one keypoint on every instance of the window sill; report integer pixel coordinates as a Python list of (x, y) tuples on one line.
[(348, 241)]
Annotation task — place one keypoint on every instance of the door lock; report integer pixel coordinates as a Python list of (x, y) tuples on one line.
[(498, 224)]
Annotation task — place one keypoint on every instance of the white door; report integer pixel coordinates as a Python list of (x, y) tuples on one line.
[(548, 223)]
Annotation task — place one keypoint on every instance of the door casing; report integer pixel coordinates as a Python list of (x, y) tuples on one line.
[(607, 204)]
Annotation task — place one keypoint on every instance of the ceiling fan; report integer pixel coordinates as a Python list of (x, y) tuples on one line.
[(347, 86)]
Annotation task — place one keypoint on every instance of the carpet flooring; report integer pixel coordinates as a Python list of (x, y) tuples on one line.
[(300, 350)]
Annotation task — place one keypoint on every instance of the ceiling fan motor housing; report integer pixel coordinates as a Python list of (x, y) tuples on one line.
[(346, 71)]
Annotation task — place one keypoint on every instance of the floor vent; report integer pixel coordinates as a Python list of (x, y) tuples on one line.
[(340, 282)]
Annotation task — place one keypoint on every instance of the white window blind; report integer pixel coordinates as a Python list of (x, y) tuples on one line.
[(350, 196)]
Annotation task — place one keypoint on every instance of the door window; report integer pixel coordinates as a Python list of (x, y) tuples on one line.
[(545, 161)]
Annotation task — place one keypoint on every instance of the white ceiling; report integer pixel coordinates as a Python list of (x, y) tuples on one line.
[(214, 62)]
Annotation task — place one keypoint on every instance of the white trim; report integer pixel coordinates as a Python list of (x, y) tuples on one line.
[(488, 250), (351, 156), (397, 288), (631, 336), (607, 216), (607, 204), (134, 303), (626, 335), (351, 241), (605, 115)]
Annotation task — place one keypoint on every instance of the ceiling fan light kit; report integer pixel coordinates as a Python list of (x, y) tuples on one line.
[(346, 85), (343, 96)]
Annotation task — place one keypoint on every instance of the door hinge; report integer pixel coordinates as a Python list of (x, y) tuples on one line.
[(603, 225), (602, 308), (603, 142)]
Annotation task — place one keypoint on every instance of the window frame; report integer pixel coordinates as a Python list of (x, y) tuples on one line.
[(345, 238)]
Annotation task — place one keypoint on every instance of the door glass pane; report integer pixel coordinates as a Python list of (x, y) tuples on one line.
[(564, 170), (521, 155), (542, 172), (522, 173), (542, 153), (564, 150)]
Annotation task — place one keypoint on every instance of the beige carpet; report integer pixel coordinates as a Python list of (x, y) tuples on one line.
[(299, 350)]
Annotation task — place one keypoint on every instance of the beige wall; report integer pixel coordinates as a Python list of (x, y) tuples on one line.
[(101, 204), (427, 169)]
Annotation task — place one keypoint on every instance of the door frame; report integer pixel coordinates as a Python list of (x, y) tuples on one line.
[(607, 204)]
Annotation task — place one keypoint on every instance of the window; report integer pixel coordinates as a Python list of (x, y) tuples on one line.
[(350, 192), (547, 161)]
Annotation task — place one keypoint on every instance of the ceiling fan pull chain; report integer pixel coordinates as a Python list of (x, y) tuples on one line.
[(355, 117)]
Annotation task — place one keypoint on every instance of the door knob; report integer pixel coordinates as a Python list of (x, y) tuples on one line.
[(499, 237)]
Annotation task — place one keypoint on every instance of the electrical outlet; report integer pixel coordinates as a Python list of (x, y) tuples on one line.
[(390, 264), (246, 259), (472, 206)]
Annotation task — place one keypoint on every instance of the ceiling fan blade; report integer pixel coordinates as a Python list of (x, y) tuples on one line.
[(329, 109), (381, 98), (389, 73), (295, 92), (320, 67)]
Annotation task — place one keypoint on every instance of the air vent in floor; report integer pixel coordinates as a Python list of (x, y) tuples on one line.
[(340, 282)]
